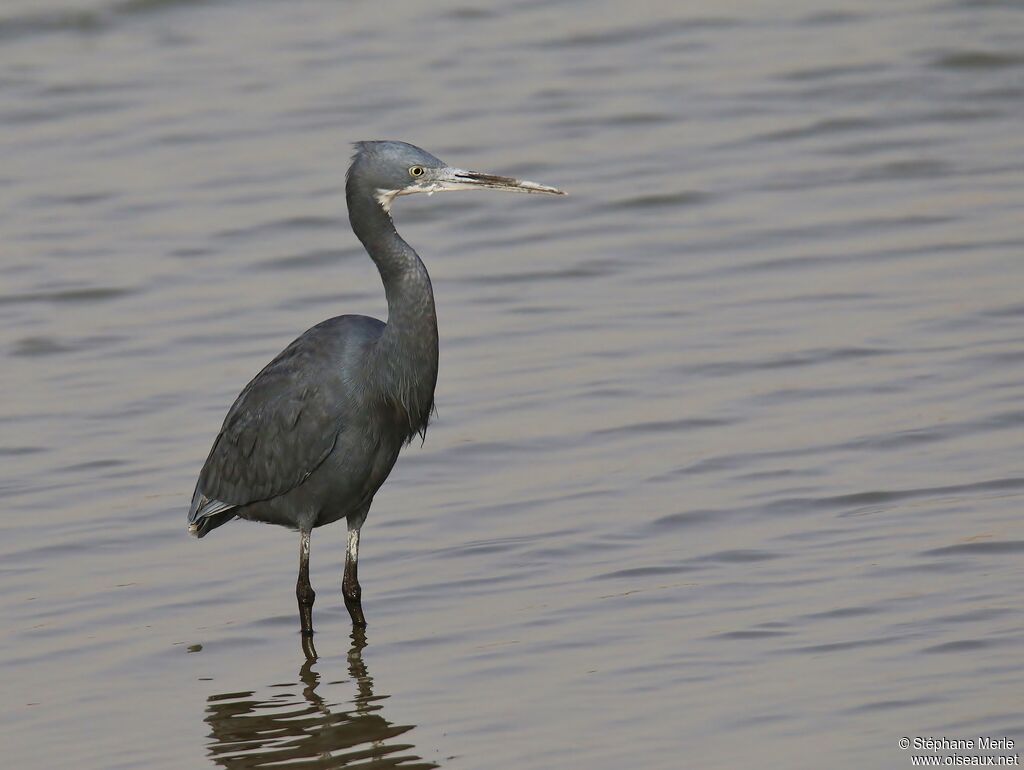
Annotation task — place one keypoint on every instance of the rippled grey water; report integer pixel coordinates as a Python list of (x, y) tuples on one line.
[(727, 468)]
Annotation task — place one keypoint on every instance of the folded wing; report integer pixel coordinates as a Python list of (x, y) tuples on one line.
[(282, 426)]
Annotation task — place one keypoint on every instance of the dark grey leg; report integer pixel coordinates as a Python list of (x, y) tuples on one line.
[(350, 583), (303, 590)]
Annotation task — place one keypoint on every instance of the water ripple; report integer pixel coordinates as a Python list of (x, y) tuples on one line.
[(743, 410)]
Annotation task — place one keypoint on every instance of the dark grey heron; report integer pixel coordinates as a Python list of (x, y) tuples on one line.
[(314, 435)]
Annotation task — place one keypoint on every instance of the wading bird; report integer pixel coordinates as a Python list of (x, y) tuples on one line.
[(311, 439)]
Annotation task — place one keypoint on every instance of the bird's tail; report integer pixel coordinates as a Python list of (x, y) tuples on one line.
[(202, 525), (206, 513)]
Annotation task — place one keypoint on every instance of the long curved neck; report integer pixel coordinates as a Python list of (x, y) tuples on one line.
[(405, 357)]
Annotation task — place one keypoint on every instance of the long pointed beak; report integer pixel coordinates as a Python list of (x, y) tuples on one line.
[(460, 179)]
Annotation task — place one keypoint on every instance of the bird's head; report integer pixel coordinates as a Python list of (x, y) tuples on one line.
[(389, 169)]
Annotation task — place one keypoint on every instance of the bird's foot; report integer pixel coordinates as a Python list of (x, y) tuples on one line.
[(307, 646), (355, 610)]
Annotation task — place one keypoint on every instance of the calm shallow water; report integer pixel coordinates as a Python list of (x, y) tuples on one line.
[(726, 470)]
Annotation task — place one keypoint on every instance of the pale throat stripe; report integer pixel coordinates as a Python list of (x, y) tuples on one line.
[(385, 198)]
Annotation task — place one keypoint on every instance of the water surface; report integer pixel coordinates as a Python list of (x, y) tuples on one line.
[(726, 470)]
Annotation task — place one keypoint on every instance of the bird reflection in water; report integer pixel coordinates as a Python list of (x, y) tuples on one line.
[(287, 730)]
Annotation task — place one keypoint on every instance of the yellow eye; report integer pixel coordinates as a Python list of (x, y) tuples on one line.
[(416, 171)]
